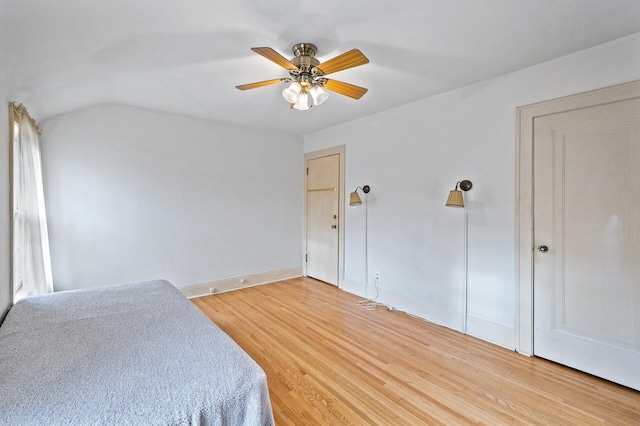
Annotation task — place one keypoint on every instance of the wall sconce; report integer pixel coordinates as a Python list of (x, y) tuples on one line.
[(456, 200), (354, 199), (455, 197)]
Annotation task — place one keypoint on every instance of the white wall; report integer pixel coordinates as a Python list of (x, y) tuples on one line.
[(5, 284), (135, 194), (413, 155)]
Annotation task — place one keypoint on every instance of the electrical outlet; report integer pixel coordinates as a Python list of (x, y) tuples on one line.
[(377, 275), (212, 289), (243, 281)]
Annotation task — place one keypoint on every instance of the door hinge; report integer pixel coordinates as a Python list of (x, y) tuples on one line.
[(307, 171), (306, 258)]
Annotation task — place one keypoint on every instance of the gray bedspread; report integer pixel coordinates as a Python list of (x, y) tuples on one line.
[(134, 354)]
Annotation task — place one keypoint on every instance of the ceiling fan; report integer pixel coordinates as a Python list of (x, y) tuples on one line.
[(308, 75)]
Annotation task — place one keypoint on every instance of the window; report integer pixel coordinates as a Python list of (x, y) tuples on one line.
[(30, 259), (18, 283)]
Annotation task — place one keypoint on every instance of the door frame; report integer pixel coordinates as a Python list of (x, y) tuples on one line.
[(525, 116), (340, 150)]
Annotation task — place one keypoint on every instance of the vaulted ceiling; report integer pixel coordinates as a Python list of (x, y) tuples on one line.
[(187, 57)]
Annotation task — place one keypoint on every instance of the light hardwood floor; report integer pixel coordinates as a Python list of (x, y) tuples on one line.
[(330, 362)]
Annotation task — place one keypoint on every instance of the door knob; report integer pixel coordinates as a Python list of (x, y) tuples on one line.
[(334, 226), (543, 249)]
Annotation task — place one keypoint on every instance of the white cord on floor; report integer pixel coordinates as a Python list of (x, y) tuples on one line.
[(372, 304)]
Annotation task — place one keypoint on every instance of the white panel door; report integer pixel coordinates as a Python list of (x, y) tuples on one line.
[(322, 218), (587, 214)]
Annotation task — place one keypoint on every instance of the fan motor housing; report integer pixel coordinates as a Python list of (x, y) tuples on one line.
[(304, 49), (304, 56)]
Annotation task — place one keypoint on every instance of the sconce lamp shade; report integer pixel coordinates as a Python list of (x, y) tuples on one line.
[(455, 199), (354, 199)]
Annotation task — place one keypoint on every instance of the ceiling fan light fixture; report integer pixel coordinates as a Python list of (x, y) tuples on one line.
[(309, 76), (290, 94), (318, 95)]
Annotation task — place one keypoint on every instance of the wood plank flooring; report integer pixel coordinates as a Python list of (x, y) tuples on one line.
[(329, 362)]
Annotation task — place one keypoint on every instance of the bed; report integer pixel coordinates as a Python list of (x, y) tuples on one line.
[(132, 354)]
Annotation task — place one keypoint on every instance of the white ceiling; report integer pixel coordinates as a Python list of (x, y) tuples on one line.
[(187, 56)]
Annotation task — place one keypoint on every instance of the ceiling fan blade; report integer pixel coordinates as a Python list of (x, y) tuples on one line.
[(350, 59), (350, 90), (274, 56), (263, 83)]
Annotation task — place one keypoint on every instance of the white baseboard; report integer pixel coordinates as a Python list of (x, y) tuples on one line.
[(243, 281), (482, 329), (497, 334)]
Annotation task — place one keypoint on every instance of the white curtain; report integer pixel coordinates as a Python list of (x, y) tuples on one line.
[(32, 260)]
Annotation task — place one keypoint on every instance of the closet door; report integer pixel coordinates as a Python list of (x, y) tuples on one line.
[(323, 180), (587, 240)]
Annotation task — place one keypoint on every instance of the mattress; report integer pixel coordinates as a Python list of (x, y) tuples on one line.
[(132, 354)]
